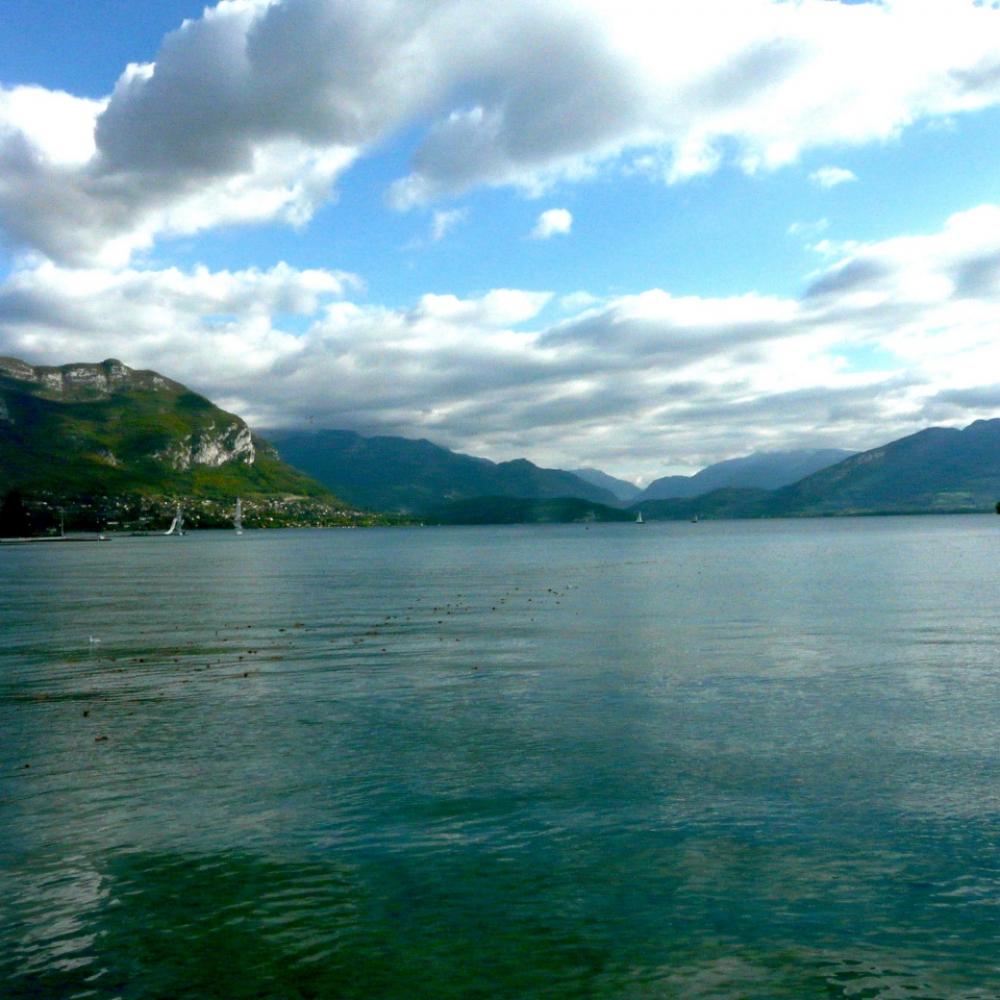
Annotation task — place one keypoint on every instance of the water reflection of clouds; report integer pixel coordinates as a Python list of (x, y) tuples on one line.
[(656, 743)]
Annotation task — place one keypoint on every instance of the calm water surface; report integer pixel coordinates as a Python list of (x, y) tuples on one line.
[(733, 760)]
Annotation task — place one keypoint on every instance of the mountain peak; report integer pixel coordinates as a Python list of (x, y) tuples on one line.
[(991, 425)]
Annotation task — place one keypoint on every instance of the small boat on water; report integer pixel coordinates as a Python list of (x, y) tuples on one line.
[(177, 524), (638, 518), (238, 516)]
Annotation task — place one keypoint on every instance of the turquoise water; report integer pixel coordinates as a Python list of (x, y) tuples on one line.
[(732, 760)]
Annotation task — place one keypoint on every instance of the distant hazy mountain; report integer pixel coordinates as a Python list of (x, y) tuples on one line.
[(399, 474), (108, 429), (621, 488), (762, 471), (938, 469)]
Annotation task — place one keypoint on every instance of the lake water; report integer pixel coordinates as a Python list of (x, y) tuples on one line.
[(732, 760)]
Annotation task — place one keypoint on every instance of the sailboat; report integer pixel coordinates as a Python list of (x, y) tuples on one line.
[(238, 516), (177, 524), (638, 518)]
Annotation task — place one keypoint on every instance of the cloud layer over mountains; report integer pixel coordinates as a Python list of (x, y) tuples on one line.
[(612, 382), (254, 112)]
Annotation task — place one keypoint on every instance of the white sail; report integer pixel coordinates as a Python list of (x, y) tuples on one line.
[(177, 524), (238, 516), (639, 519)]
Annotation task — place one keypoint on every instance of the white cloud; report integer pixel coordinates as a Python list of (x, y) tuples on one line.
[(576, 302), (833, 249), (752, 82), (638, 384), (57, 127), (809, 230), (190, 322), (553, 222), (500, 307), (831, 177), (445, 220), (254, 110)]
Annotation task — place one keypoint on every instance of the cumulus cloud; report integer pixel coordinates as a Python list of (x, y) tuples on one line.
[(638, 384), (553, 222), (253, 111), (685, 89), (831, 177), (223, 322)]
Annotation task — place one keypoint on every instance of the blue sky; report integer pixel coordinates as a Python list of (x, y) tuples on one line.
[(643, 236)]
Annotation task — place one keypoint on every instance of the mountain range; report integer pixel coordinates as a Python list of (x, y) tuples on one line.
[(418, 477), (765, 470), (107, 429), (399, 474), (937, 470)]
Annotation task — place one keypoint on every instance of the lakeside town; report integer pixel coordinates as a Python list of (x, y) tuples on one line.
[(52, 515)]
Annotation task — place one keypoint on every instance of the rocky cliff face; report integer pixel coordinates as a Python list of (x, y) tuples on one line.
[(84, 381), (211, 446)]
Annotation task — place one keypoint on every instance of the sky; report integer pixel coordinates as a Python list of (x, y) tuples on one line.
[(639, 235)]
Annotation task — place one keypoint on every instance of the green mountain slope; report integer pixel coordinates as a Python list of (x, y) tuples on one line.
[(938, 469), (398, 474), (108, 429)]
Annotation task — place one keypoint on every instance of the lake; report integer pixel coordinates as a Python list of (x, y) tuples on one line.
[(727, 759)]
